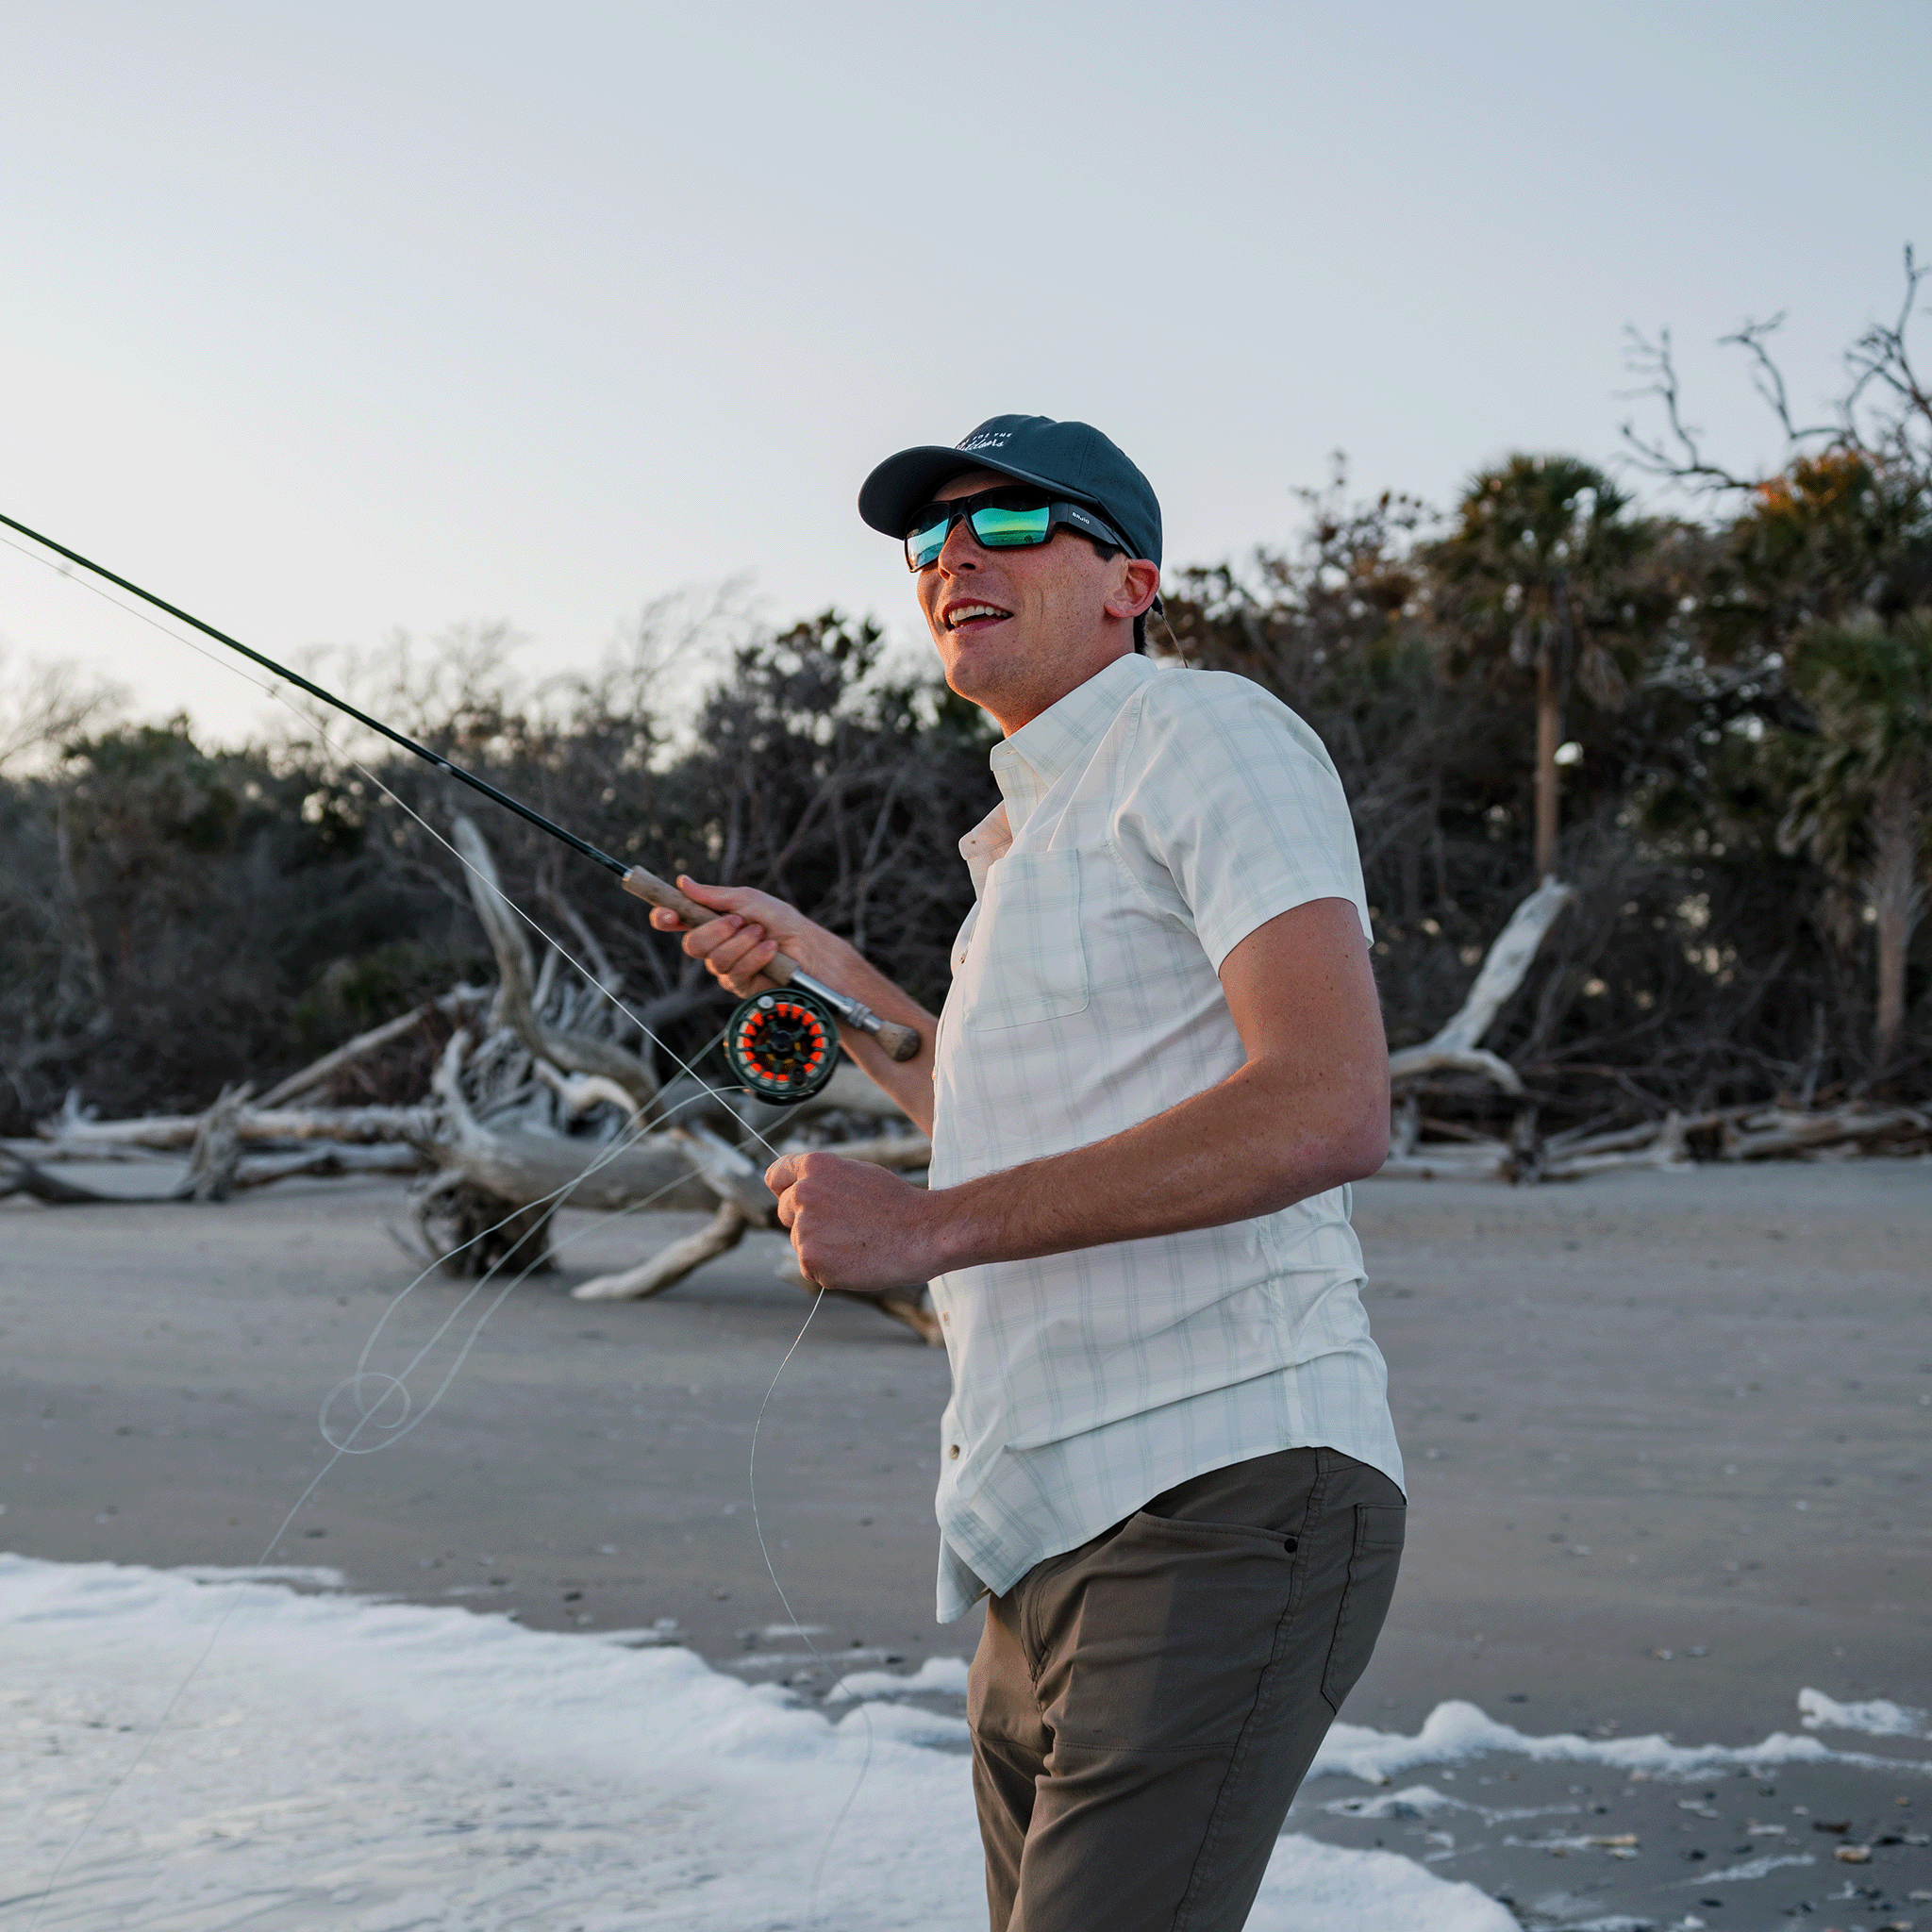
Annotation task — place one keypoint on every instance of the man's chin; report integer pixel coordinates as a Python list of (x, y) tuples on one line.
[(979, 667)]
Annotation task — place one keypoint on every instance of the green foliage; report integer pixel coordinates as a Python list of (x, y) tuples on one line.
[(1869, 692), (1542, 557), (1835, 537)]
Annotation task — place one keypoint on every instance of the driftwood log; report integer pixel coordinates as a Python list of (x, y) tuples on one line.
[(1729, 1136), (22, 1175), (96, 1139), (1752, 1132), (571, 1050), (506, 1161), (1455, 1048)]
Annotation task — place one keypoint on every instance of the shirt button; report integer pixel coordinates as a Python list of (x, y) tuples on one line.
[(953, 1451)]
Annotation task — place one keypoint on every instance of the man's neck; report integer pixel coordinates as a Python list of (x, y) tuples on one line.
[(1028, 706)]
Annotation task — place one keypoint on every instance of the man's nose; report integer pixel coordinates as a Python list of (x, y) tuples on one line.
[(961, 549)]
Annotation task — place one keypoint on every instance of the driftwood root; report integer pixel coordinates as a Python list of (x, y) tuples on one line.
[(670, 1266)]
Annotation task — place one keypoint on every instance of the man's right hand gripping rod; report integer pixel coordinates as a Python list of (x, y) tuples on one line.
[(900, 1043)]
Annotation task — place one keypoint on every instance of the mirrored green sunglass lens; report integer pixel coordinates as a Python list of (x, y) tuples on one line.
[(923, 546), (995, 526)]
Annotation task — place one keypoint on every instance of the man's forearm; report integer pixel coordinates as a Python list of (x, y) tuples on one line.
[(1263, 1138), (908, 1083), (1249, 1146), (1307, 1110)]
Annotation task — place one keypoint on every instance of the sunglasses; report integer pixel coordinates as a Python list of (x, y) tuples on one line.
[(1008, 518)]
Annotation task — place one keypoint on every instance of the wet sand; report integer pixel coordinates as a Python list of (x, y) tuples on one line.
[(1666, 1440)]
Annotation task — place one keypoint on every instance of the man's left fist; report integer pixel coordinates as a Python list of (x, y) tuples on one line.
[(854, 1226)]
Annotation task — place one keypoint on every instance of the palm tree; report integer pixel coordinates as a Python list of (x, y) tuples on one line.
[(1538, 569), (1863, 809)]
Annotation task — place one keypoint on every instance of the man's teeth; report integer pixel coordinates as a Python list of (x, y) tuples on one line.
[(968, 612)]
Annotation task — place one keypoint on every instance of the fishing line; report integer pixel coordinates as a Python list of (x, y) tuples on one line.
[(636, 1132), (818, 1870)]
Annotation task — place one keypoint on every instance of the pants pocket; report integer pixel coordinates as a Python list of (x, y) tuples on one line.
[(1373, 1562), (1161, 1642)]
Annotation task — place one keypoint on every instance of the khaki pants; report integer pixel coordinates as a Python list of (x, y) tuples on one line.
[(1143, 1707)]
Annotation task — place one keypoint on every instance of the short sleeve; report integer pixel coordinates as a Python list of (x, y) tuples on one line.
[(1229, 810)]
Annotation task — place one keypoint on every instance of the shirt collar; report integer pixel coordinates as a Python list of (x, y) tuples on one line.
[(1027, 765)]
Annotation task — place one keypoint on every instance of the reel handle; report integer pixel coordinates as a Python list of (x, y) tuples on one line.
[(900, 1043)]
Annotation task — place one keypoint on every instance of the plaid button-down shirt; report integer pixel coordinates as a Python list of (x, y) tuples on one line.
[(1150, 821)]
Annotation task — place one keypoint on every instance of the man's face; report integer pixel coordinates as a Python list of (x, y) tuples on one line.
[(1017, 630)]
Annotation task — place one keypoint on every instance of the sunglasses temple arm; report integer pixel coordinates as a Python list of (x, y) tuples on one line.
[(900, 1043)]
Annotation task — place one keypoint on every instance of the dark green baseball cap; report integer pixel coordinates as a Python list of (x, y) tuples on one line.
[(1072, 459)]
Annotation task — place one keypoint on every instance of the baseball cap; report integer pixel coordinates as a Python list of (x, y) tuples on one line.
[(1072, 459)]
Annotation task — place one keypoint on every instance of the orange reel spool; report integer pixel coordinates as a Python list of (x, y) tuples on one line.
[(783, 1046)]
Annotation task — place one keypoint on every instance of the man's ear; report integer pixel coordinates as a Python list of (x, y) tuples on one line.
[(1138, 587)]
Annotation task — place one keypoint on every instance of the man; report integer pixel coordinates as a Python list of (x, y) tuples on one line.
[(1168, 1462)]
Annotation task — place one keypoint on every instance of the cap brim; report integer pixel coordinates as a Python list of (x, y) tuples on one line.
[(905, 482)]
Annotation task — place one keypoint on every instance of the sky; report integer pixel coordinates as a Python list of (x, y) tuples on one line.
[(333, 322)]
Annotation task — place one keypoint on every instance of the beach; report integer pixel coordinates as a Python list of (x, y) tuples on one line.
[(1665, 1438)]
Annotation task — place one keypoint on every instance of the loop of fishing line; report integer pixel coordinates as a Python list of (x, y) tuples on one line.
[(558, 1197), (396, 1388)]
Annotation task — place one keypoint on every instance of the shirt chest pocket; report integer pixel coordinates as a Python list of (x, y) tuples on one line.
[(1026, 961)]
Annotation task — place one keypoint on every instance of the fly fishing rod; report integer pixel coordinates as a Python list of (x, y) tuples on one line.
[(782, 1046)]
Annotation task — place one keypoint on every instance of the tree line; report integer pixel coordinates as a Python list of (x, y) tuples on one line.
[(1715, 723)]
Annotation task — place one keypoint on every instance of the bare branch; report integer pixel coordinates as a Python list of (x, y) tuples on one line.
[(574, 1052), (1688, 464), (1878, 363), (46, 706), (1882, 356), (670, 1265), (318, 1071), (1768, 379)]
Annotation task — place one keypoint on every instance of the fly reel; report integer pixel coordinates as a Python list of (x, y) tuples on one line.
[(783, 1046)]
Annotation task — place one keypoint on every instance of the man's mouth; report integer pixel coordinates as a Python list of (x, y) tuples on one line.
[(975, 616)]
